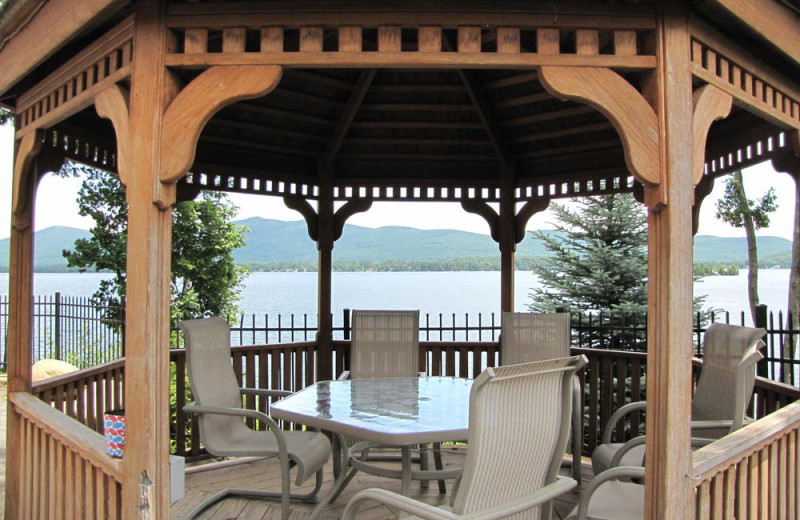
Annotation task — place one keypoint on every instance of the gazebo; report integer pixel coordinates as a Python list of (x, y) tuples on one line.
[(500, 106)]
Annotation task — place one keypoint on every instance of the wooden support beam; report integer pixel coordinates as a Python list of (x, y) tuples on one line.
[(20, 326), (325, 240), (668, 489), (146, 464), (484, 210)]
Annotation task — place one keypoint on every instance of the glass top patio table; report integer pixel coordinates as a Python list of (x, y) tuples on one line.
[(397, 411)]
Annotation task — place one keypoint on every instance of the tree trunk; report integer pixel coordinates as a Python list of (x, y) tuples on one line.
[(788, 348), (752, 248)]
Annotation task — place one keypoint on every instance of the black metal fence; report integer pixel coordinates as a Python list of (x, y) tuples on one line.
[(75, 330)]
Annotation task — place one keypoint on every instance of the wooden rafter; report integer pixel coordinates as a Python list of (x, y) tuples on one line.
[(346, 120), (487, 118)]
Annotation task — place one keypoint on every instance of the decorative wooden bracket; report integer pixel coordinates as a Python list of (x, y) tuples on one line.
[(530, 208), (701, 190), (484, 210), (302, 206), (491, 217), (710, 104), (114, 103), (189, 112), (350, 208), (626, 108), (24, 177)]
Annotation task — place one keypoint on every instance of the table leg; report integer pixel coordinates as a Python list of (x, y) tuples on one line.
[(346, 474), (405, 488), (423, 463)]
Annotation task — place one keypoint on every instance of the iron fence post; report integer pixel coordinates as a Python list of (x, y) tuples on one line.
[(346, 323), (57, 327), (761, 321)]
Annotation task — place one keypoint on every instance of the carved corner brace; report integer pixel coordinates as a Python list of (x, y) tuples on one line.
[(625, 107), (302, 206), (710, 104), (530, 208), (194, 106), (349, 209), (114, 103), (484, 210), (24, 177)]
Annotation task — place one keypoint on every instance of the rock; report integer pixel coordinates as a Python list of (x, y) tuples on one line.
[(47, 368)]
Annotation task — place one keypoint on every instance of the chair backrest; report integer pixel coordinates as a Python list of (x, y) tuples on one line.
[(519, 420), (730, 353), (527, 336), (384, 344), (211, 378)]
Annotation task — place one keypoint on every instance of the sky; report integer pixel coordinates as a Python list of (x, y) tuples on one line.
[(56, 205)]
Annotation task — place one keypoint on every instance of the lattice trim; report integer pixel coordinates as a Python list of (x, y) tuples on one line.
[(348, 46)]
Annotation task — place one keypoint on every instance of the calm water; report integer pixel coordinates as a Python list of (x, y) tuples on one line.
[(433, 293)]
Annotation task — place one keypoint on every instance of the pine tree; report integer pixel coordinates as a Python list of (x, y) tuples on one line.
[(598, 263)]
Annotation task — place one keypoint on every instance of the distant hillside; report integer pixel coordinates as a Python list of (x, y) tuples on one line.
[(275, 241), (48, 244)]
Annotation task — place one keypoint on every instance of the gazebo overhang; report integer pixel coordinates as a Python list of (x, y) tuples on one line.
[(500, 106)]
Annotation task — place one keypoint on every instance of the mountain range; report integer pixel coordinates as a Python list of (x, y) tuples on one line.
[(275, 241)]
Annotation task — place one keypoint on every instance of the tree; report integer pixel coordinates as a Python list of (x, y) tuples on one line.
[(205, 279), (598, 262), (740, 212), (6, 116)]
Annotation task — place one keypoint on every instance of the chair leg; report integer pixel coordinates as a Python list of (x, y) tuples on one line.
[(437, 462)]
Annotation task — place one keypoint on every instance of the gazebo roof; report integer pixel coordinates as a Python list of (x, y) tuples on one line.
[(413, 129)]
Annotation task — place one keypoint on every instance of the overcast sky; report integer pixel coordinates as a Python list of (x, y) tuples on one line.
[(56, 206)]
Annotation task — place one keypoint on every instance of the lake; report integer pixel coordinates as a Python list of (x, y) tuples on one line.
[(430, 292)]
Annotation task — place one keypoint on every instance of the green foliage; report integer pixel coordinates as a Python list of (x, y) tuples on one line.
[(599, 261), (6, 116), (734, 206), (701, 270), (205, 279)]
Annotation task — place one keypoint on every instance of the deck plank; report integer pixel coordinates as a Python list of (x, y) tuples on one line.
[(264, 475)]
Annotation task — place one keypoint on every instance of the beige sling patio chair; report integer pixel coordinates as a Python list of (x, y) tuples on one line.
[(384, 344), (723, 391), (529, 337), (515, 449), (223, 432)]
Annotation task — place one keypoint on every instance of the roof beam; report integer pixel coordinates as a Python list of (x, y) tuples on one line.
[(22, 46), (771, 20), (349, 114), (487, 118)]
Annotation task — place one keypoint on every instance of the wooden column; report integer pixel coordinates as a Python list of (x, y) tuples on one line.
[(20, 323), (507, 241), (146, 462), (325, 240), (668, 490)]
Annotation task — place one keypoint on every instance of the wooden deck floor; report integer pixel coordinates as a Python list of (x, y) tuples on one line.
[(263, 474)]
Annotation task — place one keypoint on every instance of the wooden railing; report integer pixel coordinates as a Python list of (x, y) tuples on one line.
[(63, 470), (753, 472)]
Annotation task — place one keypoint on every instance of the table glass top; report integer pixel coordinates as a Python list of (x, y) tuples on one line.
[(388, 407)]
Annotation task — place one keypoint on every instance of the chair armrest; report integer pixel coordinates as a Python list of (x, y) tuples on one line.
[(620, 472), (540, 496), (621, 412), (710, 425), (344, 376), (625, 448), (265, 392), (239, 412), (397, 501), (549, 492)]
